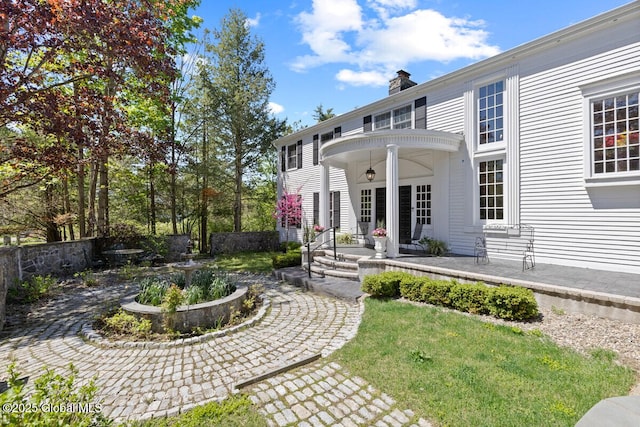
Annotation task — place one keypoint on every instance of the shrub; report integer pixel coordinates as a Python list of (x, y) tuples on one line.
[(512, 303), (437, 292), (253, 297), (288, 259), (411, 287), (505, 302), (51, 391), (31, 290), (86, 277), (289, 246), (386, 284), (127, 324), (470, 298), (344, 238), (172, 299), (437, 247)]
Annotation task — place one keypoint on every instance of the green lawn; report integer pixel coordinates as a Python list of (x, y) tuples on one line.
[(459, 371), (255, 262)]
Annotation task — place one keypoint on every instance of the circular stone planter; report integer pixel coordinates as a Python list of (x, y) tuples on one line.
[(204, 315)]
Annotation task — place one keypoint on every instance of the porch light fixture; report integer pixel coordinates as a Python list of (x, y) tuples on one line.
[(370, 172)]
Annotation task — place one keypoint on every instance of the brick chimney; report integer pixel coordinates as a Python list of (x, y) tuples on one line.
[(400, 82)]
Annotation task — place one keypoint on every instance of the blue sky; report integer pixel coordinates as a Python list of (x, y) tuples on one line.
[(342, 53)]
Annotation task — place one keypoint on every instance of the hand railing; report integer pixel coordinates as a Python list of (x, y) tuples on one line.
[(318, 244)]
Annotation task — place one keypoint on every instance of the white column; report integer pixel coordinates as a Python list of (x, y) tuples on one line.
[(392, 202), (323, 215)]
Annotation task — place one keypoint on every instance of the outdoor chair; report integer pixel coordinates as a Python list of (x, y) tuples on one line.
[(415, 239), (480, 250), (362, 231)]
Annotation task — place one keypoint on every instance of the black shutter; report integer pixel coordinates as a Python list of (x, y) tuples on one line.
[(315, 149), (421, 113), (381, 205), (316, 208), (283, 159), (299, 153), (336, 209), (337, 132), (366, 124)]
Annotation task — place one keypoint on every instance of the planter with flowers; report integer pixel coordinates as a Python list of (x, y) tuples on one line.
[(380, 239)]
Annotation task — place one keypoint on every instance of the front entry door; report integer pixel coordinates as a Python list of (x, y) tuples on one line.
[(404, 210), (404, 214)]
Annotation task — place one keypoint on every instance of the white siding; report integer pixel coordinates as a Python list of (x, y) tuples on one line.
[(574, 225)]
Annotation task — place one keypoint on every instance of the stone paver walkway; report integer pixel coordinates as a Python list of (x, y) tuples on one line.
[(325, 394), (151, 381)]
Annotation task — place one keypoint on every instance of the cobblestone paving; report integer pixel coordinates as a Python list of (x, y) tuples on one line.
[(141, 382), (325, 394)]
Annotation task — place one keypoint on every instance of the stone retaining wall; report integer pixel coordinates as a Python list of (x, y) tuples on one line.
[(259, 241), (9, 273), (19, 263)]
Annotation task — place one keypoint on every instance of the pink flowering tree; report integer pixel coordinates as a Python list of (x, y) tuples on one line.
[(289, 211)]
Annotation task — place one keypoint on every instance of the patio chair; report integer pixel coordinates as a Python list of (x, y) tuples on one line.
[(362, 231), (480, 250), (415, 239)]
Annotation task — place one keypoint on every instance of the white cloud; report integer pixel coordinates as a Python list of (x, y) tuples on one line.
[(362, 78), (385, 8), (323, 31), (384, 37), (254, 22), (275, 108)]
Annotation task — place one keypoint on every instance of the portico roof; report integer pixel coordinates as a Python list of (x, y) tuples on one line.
[(340, 151)]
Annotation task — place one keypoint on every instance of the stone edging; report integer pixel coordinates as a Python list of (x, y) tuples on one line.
[(88, 333)]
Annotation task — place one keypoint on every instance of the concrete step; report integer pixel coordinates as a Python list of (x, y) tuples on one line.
[(342, 274), (342, 256), (319, 271), (330, 263), (348, 290)]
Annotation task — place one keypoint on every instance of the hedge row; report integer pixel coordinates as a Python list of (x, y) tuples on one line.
[(293, 258), (504, 302)]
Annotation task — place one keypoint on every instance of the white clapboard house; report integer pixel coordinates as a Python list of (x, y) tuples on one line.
[(540, 139)]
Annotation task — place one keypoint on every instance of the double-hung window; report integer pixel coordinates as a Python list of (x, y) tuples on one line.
[(402, 118), (382, 121), (291, 157)]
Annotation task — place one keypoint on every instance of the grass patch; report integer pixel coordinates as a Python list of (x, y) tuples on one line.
[(253, 262), (237, 410), (460, 371)]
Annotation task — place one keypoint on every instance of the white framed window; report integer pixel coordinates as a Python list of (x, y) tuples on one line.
[(292, 156), (615, 134), (423, 204), (491, 113), (402, 117), (382, 121), (491, 190), (365, 205)]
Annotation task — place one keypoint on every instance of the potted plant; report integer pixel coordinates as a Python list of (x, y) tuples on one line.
[(380, 241)]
